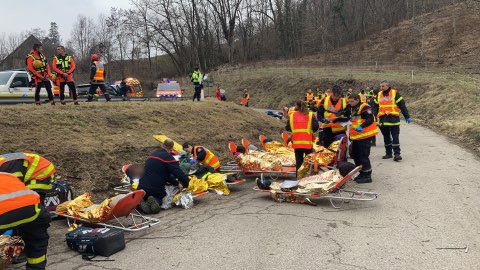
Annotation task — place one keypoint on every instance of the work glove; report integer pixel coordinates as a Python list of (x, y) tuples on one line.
[(193, 161), (326, 121), (408, 120), (359, 129)]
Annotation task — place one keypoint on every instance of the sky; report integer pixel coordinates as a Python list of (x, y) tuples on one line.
[(20, 15)]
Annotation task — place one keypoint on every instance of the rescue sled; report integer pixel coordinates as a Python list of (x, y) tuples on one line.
[(337, 195)]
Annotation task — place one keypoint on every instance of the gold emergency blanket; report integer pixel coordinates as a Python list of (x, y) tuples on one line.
[(10, 247), (176, 146), (316, 184), (321, 157), (83, 207), (263, 161), (277, 148), (212, 181)]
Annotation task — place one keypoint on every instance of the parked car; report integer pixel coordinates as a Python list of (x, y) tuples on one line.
[(16, 83), (169, 89), (135, 87), (82, 90)]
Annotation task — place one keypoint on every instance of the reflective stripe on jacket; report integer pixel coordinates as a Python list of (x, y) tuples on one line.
[(357, 121), (302, 133), (39, 171)]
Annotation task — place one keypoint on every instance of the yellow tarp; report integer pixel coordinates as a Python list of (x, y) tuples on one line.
[(83, 207), (176, 146), (213, 181)]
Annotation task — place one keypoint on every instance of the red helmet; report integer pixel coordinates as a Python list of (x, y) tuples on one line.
[(95, 57)]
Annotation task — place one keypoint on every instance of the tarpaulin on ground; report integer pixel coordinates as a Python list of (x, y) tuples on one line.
[(176, 146), (264, 161)]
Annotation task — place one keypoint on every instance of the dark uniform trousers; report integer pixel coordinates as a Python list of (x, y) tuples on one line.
[(361, 155), (391, 138)]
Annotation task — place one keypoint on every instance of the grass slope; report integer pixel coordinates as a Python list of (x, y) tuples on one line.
[(89, 143)]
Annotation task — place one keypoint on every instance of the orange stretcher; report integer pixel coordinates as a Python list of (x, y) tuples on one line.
[(337, 195)]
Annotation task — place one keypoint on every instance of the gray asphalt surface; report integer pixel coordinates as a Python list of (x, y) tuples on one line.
[(427, 202)]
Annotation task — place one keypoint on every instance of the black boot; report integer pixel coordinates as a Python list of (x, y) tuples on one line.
[(387, 156), (364, 178), (397, 157), (90, 98)]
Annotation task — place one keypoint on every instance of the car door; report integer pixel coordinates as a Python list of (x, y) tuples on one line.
[(19, 85)]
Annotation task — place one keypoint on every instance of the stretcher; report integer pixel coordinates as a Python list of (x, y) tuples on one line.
[(127, 188), (123, 215), (337, 195)]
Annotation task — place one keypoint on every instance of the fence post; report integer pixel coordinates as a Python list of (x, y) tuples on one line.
[(412, 75)]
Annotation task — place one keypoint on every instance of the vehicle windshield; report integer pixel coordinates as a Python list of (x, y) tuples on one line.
[(4, 77), (168, 86)]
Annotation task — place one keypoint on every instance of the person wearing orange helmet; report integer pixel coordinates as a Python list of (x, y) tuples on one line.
[(97, 78), (39, 70)]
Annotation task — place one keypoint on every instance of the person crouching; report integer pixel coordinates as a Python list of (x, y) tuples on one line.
[(160, 169)]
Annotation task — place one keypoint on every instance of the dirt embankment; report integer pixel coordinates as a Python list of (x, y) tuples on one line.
[(89, 143), (445, 102)]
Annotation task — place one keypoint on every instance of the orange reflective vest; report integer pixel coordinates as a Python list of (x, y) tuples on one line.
[(39, 171), (330, 113), (18, 204), (210, 159), (302, 133), (357, 121), (363, 97), (387, 105), (99, 73)]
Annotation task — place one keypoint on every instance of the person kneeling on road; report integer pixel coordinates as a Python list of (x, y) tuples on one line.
[(201, 154), (161, 169)]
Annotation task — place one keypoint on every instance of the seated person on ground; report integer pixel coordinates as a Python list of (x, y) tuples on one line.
[(132, 174), (160, 169), (202, 155)]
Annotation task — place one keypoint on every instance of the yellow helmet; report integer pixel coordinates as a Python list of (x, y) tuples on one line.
[(37, 64)]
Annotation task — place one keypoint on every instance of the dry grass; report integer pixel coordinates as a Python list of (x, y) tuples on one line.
[(89, 143), (446, 102)]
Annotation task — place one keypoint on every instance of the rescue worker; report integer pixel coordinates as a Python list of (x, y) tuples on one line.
[(21, 209), (303, 125), (160, 169), (362, 128), (97, 78), (202, 155), (388, 105), (64, 65), (333, 107), (124, 89), (309, 96), (197, 78), (39, 70), (363, 96), (246, 98), (34, 170)]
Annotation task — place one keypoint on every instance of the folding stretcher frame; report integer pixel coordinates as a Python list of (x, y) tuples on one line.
[(338, 195), (124, 215)]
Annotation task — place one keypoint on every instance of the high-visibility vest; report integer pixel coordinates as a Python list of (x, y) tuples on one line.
[(330, 111), (18, 204), (363, 97), (356, 121), (309, 97), (197, 77), (302, 133), (210, 159), (387, 105), (42, 58), (63, 64), (39, 173), (99, 73)]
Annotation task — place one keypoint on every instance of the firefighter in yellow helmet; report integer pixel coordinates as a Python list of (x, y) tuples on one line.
[(97, 78)]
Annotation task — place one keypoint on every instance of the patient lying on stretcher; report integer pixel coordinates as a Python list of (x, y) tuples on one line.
[(319, 184)]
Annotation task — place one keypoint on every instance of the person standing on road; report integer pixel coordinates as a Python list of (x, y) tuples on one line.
[(97, 78), (362, 128), (63, 65), (197, 78), (39, 70), (303, 124), (388, 105), (333, 107)]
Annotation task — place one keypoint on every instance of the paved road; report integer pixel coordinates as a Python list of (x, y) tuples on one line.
[(428, 201), (26, 100)]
